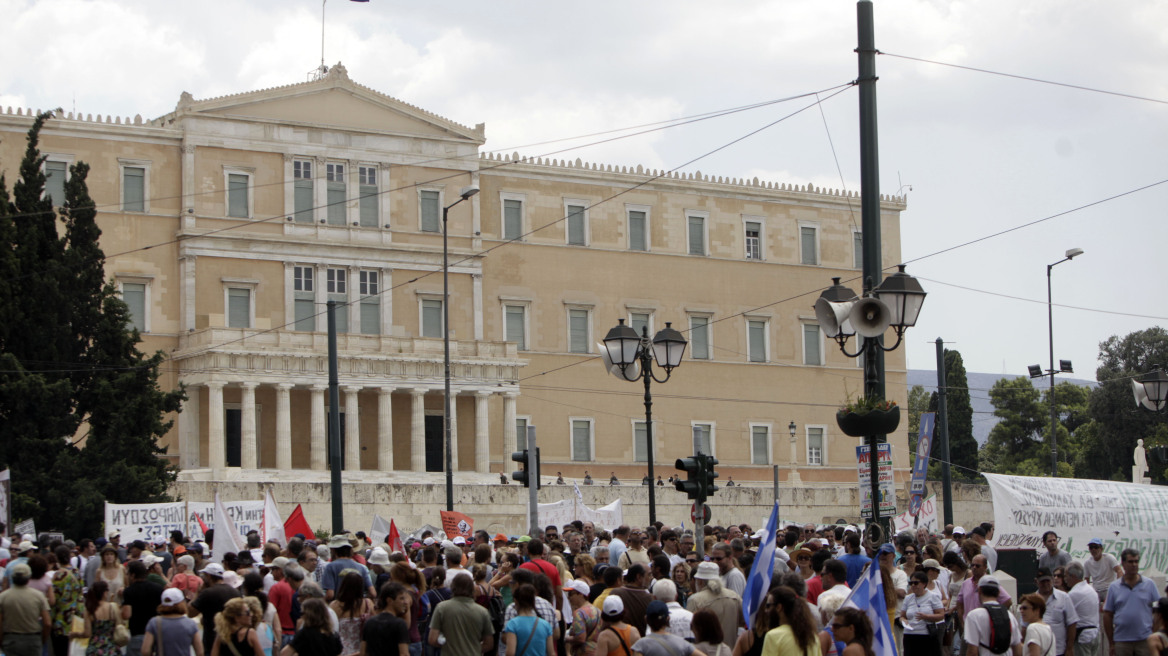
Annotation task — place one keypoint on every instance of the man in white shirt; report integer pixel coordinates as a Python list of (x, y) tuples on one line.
[(835, 578), (977, 623), (978, 535), (679, 618), (955, 543), (1060, 613), (1102, 569), (732, 577), (1086, 603)]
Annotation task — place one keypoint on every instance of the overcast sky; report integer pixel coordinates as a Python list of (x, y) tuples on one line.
[(975, 154)]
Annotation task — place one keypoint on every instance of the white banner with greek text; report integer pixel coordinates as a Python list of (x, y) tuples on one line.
[(1121, 514), (145, 521), (926, 517), (248, 516)]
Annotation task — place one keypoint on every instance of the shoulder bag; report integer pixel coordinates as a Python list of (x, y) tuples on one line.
[(121, 631), (530, 635)]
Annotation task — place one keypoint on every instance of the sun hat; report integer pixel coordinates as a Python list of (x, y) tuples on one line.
[(25, 546), (428, 541), (280, 562), (577, 586), (232, 579), (931, 563), (707, 572), (172, 597), (339, 541), (379, 557), (459, 540)]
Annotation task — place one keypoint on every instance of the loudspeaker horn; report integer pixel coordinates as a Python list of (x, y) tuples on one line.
[(873, 537), (870, 317), (1141, 395), (634, 370), (834, 317)]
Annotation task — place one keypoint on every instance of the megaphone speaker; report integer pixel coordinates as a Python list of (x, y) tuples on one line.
[(834, 317), (873, 537), (870, 317)]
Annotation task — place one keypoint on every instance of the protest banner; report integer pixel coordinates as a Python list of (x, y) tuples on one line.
[(379, 531), (884, 470), (926, 517), (247, 515), (456, 523), (921, 464), (6, 498), (1121, 514), (568, 510), (145, 521), (26, 527)]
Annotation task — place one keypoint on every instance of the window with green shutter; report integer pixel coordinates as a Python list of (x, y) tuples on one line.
[(133, 189), (760, 437), (367, 177), (303, 299), (431, 318), (431, 213), (335, 179), (302, 194), (578, 331), (639, 321), (238, 307), (237, 190), (370, 303), (640, 442), (697, 235), (512, 219), (815, 446), (807, 247), (637, 226), (576, 226), (55, 174), (857, 250), (515, 326), (812, 354), (699, 338), (581, 440), (134, 295), (756, 334), (337, 288)]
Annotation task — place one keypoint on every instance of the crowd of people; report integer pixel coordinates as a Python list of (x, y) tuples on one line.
[(568, 591)]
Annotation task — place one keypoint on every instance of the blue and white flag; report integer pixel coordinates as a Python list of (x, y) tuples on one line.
[(868, 596), (761, 571)]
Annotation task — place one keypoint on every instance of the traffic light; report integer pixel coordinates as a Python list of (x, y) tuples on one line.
[(523, 474), (692, 485), (708, 476)]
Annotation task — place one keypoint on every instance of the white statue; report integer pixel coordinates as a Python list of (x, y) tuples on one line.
[(1140, 469)]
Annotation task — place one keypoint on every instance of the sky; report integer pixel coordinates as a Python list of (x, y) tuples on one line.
[(975, 154)]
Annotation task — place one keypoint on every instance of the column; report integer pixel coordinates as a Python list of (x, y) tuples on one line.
[(509, 424), (318, 446), (188, 430), (453, 430), (482, 443), (385, 429), (247, 426), (418, 429), (352, 430), (187, 291), (284, 426), (216, 439)]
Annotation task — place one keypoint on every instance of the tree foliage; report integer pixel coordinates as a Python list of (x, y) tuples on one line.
[(70, 369), (959, 413), (1020, 442)]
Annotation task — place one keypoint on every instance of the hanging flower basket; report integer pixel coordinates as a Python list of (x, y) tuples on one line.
[(871, 422)]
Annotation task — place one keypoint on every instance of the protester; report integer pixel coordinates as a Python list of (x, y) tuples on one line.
[(316, 636), (101, 618), (922, 610), (1158, 641), (414, 585), (140, 602), (852, 628), (1059, 612), (1127, 612), (1053, 557), (616, 637), (465, 626), (707, 633), (1086, 604), (980, 620), (233, 626), (527, 634), (24, 615), (659, 641), (211, 601), (177, 633), (110, 571), (386, 633), (585, 626), (260, 620), (1040, 637), (352, 608), (795, 635), (69, 601), (726, 604), (1101, 568)]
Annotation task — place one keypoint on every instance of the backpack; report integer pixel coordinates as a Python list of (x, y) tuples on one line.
[(999, 629), (494, 605)]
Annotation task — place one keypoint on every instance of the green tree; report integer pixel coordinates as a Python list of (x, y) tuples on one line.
[(78, 376), (1020, 442), (1116, 421), (959, 412), (918, 402)]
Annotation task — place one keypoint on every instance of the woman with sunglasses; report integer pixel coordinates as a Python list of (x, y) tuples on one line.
[(852, 627), (909, 564), (1039, 636), (922, 610)]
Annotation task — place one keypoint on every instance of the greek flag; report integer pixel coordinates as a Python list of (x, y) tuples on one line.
[(761, 571), (868, 596)]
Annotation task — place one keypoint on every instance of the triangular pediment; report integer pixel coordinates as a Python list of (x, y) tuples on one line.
[(332, 101)]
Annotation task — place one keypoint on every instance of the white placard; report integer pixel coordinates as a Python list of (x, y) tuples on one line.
[(926, 517), (248, 516), (563, 512), (144, 521), (1121, 514)]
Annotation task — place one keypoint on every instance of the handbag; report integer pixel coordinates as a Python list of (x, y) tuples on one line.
[(121, 631)]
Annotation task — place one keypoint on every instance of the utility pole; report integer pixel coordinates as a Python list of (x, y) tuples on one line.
[(533, 482), (334, 418)]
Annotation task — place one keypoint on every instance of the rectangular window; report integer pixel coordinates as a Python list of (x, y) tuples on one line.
[(699, 338), (512, 219), (516, 325), (809, 254), (431, 212), (703, 435), (578, 331), (303, 301), (55, 174), (335, 176), (133, 189), (302, 196), (697, 235), (370, 303), (639, 321), (812, 354), (576, 226), (521, 433), (238, 307), (367, 177), (637, 227), (237, 201), (640, 442), (756, 336), (134, 295), (814, 446), (337, 288), (760, 439), (857, 250), (753, 240), (582, 440), (431, 318)]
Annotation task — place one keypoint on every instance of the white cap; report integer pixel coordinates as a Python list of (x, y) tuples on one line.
[(428, 541), (172, 597), (958, 529), (458, 539), (613, 605), (578, 586)]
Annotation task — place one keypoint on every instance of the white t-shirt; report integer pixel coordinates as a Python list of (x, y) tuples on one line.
[(914, 605), (977, 630), (1101, 573), (1043, 636)]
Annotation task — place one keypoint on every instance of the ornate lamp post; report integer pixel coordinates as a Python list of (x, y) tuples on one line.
[(629, 357)]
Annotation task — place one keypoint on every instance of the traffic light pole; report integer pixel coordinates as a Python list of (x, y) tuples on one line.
[(532, 482)]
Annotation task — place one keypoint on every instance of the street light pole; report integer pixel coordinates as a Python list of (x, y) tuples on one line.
[(1070, 254), (466, 193), (629, 356)]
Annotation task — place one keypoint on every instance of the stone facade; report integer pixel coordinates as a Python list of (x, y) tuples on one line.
[(229, 223)]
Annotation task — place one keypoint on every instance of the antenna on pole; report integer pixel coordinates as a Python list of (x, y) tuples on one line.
[(320, 71)]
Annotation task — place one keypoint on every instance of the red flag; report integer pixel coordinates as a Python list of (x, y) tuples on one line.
[(456, 523), (297, 524), (394, 539), (202, 525)]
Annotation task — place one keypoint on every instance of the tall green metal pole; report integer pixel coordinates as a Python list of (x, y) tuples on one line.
[(942, 431), (870, 223), (334, 445)]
